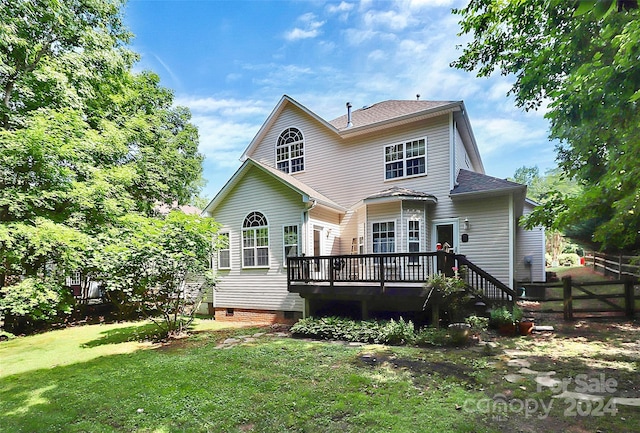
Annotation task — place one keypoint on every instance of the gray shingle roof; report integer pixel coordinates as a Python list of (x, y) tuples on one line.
[(385, 110), (472, 182), (397, 191)]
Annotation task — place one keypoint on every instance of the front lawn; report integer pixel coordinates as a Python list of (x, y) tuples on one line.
[(93, 379)]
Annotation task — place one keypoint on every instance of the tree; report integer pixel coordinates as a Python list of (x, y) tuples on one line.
[(54, 52), (147, 264), (84, 140), (582, 61)]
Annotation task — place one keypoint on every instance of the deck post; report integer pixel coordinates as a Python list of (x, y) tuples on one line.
[(435, 312), (364, 309), (629, 296), (568, 298)]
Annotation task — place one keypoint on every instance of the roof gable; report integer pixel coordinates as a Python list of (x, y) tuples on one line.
[(277, 111), (307, 193)]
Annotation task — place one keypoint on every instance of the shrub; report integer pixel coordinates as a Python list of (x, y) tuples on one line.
[(33, 303), (477, 323), (432, 337), (397, 332), (570, 258)]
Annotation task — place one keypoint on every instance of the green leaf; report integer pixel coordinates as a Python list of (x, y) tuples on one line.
[(584, 6)]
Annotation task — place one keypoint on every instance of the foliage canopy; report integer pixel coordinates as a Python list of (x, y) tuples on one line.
[(579, 60)]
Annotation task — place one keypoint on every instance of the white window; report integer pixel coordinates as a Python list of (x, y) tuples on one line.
[(255, 241), (290, 241), (74, 279), (405, 159), (224, 251), (384, 237), (290, 151), (413, 238)]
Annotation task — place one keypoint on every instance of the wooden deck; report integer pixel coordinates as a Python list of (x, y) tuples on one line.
[(392, 275)]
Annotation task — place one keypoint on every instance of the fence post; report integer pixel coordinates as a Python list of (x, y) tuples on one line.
[(568, 298), (620, 266), (629, 296)]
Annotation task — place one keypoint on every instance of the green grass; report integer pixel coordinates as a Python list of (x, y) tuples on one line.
[(98, 379), (93, 379)]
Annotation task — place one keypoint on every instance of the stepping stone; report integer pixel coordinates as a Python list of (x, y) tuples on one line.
[(542, 328), (579, 396), (518, 363), (514, 353), (258, 334), (231, 341), (249, 340), (626, 401), (514, 378), (547, 381), (536, 373)]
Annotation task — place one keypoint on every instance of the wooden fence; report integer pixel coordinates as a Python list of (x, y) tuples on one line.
[(617, 266), (602, 297)]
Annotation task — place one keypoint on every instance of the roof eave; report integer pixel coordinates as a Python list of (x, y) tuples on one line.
[(487, 193), (395, 198), (407, 118)]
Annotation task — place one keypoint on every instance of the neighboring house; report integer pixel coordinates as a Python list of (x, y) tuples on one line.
[(346, 201)]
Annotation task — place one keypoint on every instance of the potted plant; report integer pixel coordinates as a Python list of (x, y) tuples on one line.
[(502, 319), (450, 293)]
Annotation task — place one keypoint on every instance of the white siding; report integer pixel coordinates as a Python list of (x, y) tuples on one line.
[(530, 243), (488, 245), (258, 288), (353, 169)]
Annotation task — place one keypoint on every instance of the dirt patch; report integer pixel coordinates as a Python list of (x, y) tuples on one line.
[(418, 367)]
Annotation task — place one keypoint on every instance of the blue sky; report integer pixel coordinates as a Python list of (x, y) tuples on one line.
[(230, 62)]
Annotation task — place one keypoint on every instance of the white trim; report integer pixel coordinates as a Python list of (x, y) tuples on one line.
[(404, 158), (255, 247), (275, 153), (284, 244), (512, 241), (395, 233), (421, 237), (452, 153), (456, 231), (218, 267)]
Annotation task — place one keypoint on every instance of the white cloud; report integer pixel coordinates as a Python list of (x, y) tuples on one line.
[(394, 20), (311, 28), (498, 133), (340, 8)]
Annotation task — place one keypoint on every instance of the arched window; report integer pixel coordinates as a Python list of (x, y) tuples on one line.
[(255, 241), (290, 151)]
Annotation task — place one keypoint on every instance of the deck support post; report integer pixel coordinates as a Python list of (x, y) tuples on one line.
[(307, 309), (435, 312), (365, 309)]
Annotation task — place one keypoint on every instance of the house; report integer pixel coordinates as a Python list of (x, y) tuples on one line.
[(347, 214)]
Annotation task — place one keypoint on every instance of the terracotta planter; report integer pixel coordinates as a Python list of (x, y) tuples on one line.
[(508, 330), (525, 328)]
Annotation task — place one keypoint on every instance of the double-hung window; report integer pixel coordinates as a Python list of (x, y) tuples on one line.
[(413, 228), (290, 241), (224, 251), (255, 241), (290, 151), (405, 159), (384, 237)]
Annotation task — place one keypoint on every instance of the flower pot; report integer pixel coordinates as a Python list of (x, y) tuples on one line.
[(508, 330), (525, 328)]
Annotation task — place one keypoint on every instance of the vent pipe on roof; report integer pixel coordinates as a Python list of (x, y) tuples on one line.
[(418, 97), (349, 124)]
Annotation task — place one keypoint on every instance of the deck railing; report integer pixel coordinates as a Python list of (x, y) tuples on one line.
[(382, 269)]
